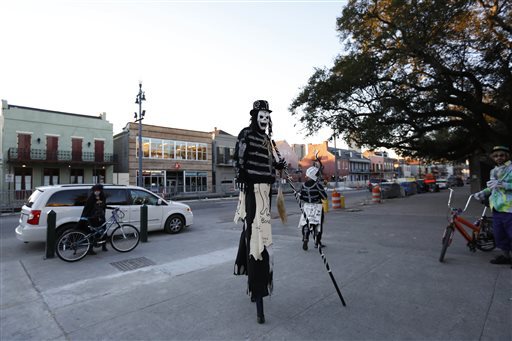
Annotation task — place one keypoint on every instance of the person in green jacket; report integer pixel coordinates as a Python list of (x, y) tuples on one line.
[(499, 192)]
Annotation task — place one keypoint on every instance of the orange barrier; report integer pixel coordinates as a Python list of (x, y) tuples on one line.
[(336, 200), (376, 194)]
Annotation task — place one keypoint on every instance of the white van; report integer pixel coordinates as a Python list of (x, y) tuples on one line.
[(68, 201)]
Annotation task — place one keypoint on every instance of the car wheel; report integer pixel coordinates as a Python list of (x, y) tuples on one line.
[(174, 224), (63, 228)]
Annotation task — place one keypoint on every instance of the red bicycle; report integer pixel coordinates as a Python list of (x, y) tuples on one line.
[(481, 236)]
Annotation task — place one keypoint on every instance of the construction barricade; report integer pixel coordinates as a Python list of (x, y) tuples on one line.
[(338, 200), (376, 194)]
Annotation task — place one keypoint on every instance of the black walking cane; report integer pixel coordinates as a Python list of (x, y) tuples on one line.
[(288, 179)]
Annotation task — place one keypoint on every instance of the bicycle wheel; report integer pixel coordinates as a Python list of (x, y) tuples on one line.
[(72, 246), (447, 240), (124, 238)]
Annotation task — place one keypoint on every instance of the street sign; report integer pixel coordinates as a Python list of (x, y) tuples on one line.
[(9, 177)]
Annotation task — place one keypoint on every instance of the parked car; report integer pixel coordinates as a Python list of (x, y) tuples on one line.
[(68, 200), (373, 182), (442, 183), (390, 190)]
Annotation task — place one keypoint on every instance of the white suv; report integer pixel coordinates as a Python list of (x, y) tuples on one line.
[(68, 200)]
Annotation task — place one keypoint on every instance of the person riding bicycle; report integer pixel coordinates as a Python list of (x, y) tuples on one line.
[(93, 213), (311, 193), (499, 192)]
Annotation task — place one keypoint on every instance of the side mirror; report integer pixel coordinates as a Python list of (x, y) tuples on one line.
[(159, 202)]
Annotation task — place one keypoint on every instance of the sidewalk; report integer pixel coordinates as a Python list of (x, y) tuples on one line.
[(384, 258)]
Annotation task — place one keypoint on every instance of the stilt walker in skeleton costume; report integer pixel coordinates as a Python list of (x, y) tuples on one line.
[(311, 193), (255, 167)]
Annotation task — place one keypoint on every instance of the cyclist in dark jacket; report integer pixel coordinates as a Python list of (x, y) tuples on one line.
[(311, 193), (93, 213)]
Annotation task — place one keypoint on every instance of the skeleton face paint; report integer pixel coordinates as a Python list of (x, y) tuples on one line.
[(263, 118)]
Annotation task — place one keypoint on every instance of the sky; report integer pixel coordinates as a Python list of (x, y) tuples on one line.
[(201, 63)]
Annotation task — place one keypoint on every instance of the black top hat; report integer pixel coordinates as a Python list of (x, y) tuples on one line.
[(500, 148), (259, 105)]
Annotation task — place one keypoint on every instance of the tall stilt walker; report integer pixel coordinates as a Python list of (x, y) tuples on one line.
[(255, 167)]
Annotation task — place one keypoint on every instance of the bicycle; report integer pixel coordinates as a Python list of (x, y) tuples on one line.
[(74, 244), (481, 237)]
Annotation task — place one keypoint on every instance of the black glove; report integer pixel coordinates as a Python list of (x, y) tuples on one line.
[(241, 180), (280, 165), (297, 196)]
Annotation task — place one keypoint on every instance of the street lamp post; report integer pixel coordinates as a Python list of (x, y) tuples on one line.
[(141, 96)]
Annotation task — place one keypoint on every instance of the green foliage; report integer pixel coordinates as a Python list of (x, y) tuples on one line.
[(426, 78)]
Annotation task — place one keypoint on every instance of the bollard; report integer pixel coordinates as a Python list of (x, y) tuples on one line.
[(51, 219), (325, 205), (144, 223), (342, 201)]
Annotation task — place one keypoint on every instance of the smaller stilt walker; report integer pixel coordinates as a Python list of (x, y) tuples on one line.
[(311, 193), (255, 167)]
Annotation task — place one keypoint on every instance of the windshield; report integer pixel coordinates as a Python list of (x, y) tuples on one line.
[(33, 197)]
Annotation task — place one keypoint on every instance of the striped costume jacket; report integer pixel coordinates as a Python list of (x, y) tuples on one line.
[(312, 192), (254, 160)]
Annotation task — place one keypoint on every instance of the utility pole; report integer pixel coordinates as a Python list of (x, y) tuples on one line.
[(141, 96)]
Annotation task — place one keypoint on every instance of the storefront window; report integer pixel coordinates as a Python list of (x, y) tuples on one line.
[(168, 149), (145, 146), (156, 148), (181, 150), (50, 176), (175, 150), (76, 176), (98, 176), (196, 182), (201, 151), (191, 151)]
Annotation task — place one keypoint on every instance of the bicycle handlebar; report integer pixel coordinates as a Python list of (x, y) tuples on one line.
[(467, 202)]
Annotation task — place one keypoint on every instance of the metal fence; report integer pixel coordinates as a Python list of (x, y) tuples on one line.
[(11, 201)]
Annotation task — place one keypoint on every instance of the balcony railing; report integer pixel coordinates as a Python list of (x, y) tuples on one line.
[(360, 171), (59, 156)]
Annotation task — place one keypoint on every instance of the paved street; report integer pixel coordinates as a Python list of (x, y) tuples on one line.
[(384, 258)]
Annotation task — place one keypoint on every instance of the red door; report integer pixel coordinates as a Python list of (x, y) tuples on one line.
[(52, 145), (24, 146), (98, 151), (76, 149)]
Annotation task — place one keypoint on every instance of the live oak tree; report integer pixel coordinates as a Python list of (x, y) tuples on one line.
[(429, 79)]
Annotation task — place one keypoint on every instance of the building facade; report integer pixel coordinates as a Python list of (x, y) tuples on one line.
[(382, 166), (175, 161), (339, 164), (223, 147), (44, 147)]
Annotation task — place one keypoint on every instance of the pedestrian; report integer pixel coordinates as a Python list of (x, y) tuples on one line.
[(93, 214), (311, 194), (255, 167), (499, 192)]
